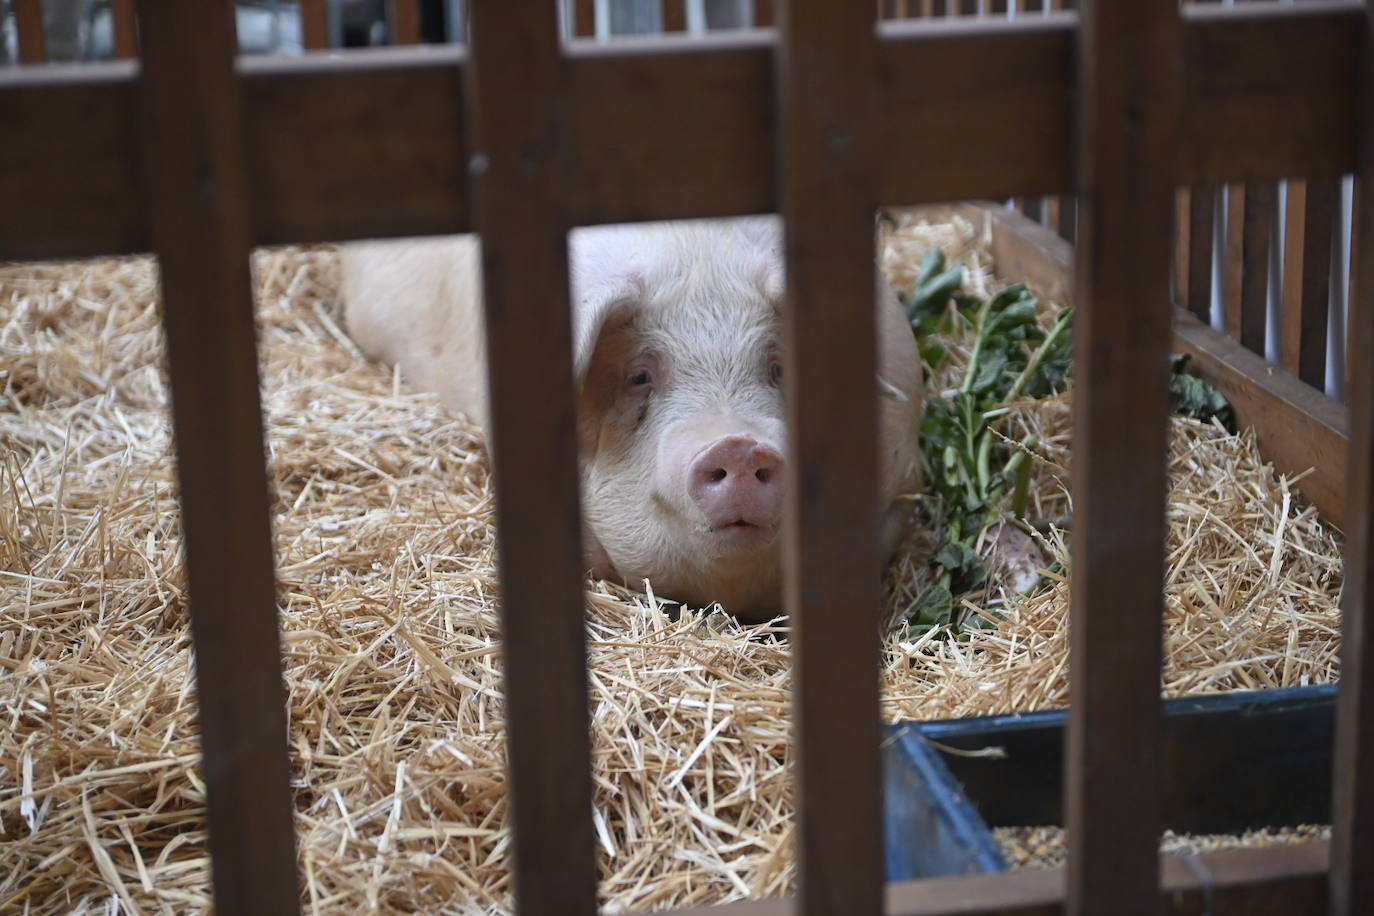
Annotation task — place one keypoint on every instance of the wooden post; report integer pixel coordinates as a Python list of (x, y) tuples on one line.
[(405, 22), (1257, 224), (191, 142), (125, 26), (1128, 95), (1202, 202), (516, 97), (828, 155), (314, 25), (1352, 806)]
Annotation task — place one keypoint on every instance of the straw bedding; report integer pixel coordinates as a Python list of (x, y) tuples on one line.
[(383, 525)]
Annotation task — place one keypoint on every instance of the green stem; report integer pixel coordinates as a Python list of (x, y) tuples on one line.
[(1056, 331), (971, 370)]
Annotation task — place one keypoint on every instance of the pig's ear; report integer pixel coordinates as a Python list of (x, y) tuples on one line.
[(601, 358)]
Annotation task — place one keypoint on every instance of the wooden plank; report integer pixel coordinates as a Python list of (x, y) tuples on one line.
[(1201, 209), (763, 13), (1128, 127), (584, 18), (829, 147), (1257, 881), (1232, 268), (405, 22), (1352, 827), (1258, 221), (314, 25), (28, 23), (515, 104), (125, 26), (1307, 278), (191, 142), (1182, 230), (674, 15), (1247, 113), (699, 110)]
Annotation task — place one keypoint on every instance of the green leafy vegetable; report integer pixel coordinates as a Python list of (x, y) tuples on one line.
[(1190, 396)]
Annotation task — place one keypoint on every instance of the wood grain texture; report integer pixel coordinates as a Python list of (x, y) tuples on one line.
[(707, 124), (1258, 223), (1128, 126), (1260, 881), (829, 147), (194, 184), (314, 25), (1202, 202), (1352, 829), (1310, 216), (584, 18), (125, 26), (28, 23), (519, 166)]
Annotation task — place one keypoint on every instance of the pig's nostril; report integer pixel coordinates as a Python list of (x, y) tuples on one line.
[(717, 475)]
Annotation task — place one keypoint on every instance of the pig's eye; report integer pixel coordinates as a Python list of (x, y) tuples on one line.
[(640, 377), (775, 372)]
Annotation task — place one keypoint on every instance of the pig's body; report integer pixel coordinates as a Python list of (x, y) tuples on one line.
[(680, 403)]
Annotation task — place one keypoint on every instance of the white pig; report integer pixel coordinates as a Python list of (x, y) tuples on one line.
[(680, 410)]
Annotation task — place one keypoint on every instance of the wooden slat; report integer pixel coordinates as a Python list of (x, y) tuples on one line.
[(584, 18), (1201, 210), (314, 25), (1352, 805), (1182, 231), (1307, 278), (125, 26), (681, 111), (829, 147), (28, 22), (1128, 123), (405, 22), (1258, 221), (193, 165), (674, 15), (519, 177), (763, 13), (1233, 259), (1258, 881)]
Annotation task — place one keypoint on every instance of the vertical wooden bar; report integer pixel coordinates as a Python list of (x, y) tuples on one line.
[(1128, 94), (1182, 229), (405, 22), (1312, 209), (28, 22), (828, 154), (763, 13), (314, 25), (1233, 265), (1257, 223), (584, 18), (125, 26), (1202, 203), (191, 144), (674, 15), (1352, 807), (516, 102)]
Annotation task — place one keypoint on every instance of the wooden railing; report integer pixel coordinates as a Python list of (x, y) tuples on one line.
[(198, 158)]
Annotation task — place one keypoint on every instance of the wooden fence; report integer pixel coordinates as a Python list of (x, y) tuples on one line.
[(199, 157)]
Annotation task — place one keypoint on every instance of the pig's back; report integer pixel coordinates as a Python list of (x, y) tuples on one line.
[(416, 304)]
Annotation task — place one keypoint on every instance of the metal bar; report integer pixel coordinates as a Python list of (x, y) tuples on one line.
[(515, 103), (191, 142), (828, 148), (1352, 806), (1128, 127)]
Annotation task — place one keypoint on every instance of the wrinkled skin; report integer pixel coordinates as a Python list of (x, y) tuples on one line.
[(680, 410)]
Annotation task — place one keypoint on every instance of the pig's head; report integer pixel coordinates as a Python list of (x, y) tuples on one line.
[(680, 409)]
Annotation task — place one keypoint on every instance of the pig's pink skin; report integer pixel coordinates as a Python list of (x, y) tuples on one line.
[(677, 362)]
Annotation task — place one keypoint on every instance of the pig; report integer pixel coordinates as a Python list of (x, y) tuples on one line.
[(679, 391)]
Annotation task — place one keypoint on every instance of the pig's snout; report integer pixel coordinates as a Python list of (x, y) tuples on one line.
[(737, 481)]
